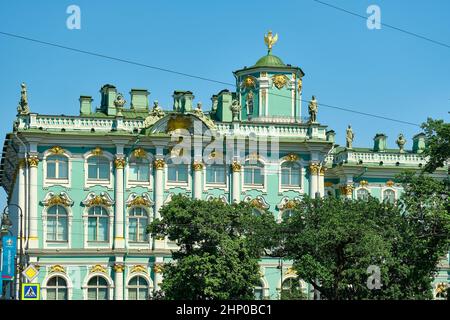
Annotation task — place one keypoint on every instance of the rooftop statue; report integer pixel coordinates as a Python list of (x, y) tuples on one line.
[(23, 104), (198, 111), (235, 109), (155, 114), (349, 137), (313, 109), (401, 141), (270, 40)]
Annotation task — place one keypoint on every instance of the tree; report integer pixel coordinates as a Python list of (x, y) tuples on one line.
[(219, 248), (437, 143)]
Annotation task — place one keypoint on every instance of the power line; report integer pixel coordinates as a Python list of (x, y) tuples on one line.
[(384, 24), (187, 75)]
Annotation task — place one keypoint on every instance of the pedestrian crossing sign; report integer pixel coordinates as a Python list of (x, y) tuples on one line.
[(31, 291)]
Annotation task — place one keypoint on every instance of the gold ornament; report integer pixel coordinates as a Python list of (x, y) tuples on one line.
[(236, 166), (299, 85), (139, 201), (291, 157), (346, 190), (390, 183), (158, 267), (58, 200), (57, 150), (139, 153), (314, 168), (22, 163), (97, 151), (270, 40), (279, 80), (119, 163), (118, 267), (328, 184), (178, 122), (138, 268), (159, 164), (97, 268), (291, 271), (98, 201), (363, 183), (322, 171), (57, 268), (249, 82), (197, 166), (33, 161)]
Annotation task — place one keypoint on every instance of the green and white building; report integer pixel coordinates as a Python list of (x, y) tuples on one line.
[(89, 184)]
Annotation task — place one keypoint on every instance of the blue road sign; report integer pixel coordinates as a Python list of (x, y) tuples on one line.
[(31, 291)]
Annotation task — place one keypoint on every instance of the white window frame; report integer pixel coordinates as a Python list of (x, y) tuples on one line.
[(109, 282), (209, 185), (138, 274), (47, 182), (57, 274), (300, 188), (98, 244), (143, 244), (89, 182), (131, 183), (171, 184), (389, 188), (246, 187), (362, 188), (50, 244)]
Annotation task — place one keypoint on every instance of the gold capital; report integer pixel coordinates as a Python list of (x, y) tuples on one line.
[(236, 166), (33, 161), (197, 166), (159, 164), (118, 267), (119, 163), (314, 168)]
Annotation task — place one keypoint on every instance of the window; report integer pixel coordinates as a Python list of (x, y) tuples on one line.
[(215, 174), (57, 289), (139, 170), (138, 289), (57, 167), (291, 289), (177, 172), (286, 214), (362, 194), (57, 223), (98, 289), (290, 174), (138, 221), (98, 223), (259, 292), (389, 195), (253, 174), (98, 168)]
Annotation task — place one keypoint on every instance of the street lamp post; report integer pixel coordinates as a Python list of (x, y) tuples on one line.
[(18, 274)]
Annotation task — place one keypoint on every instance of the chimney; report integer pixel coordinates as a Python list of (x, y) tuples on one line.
[(139, 99), (419, 143), (224, 100), (109, 94), (331, 136), (380, 142), (85, 105), (182, 101)]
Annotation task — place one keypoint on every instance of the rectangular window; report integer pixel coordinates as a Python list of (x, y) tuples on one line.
[(177, 173), (215, 174)]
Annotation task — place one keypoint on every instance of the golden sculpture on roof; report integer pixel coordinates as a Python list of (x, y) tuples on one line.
[(270, 40)]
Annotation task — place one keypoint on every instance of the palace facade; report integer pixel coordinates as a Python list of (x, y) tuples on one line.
[(88, 185)]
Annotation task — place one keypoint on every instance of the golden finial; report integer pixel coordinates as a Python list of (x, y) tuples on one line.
[(270, 40)]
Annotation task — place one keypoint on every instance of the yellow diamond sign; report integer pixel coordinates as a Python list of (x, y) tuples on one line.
[(30, 272)]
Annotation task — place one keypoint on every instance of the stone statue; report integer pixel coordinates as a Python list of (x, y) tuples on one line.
[(312, 108), (198, 111), (154, 115), (23, 104), (119, 103), (235, 110), (401, 141), (349, 137)]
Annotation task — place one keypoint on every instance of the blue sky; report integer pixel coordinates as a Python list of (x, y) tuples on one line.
[(376, 71)]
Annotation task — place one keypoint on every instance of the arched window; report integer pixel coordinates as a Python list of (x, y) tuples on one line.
[(362, 194), (139, 169), (57, 288), (98, 168), (250, 104), (259, 291), (138, 221), (98, 289), (57, 167), (290, 174), (286, 214), (291, 289), (253, 173), (215, 173), (98, 224), (389, 195), (57, 223), (177, 172), (138, 288)]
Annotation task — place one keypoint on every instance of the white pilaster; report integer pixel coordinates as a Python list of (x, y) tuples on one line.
[(119, 240), (198, 170), (322, 181), (313, 180), (118, 280), (33, 162), (157, 273), (159, 186), (236, 185)]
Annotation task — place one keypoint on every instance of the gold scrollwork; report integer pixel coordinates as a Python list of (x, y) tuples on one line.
[(139, 153), (346, 189), (363, 183), (279, 81), (57, 268), (249, 82), (138, 268), (178, 122), (97, 268), (56, 150), (97, 151), (291, 157), (139, 202)]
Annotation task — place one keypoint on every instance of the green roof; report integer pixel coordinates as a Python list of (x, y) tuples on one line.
[(269, 60)]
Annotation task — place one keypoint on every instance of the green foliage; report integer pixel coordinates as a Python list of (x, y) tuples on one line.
[(437, 143), (220, 246)]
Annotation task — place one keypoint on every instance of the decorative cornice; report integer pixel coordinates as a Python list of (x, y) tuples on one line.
[(52, 199), (159, 164), (97, 268), (314, 168), (98, 200), (56, 150), (158, 267), (118, 267), (97, 151), (57, 268), (291, 157), (139, 153), (135, 200), (197, 166), (138, 268), (33, 161), (236, 166), (120, 163), (346, 189)]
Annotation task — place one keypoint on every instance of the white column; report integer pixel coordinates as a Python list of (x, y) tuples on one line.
[(322, 181), (118, 280), (157, 274), (236, 185), (198, 169), (313, 179), (21, 196), (159, 186), (33, 162), (119, 240)]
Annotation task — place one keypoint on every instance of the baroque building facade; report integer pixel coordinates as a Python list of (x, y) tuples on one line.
[(88, 185)]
